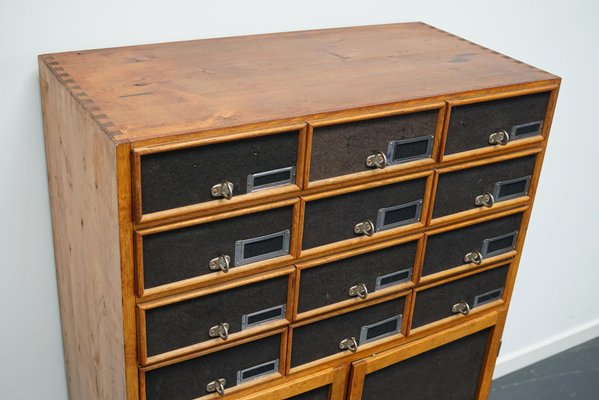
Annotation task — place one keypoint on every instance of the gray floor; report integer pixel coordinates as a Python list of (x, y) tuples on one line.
[(573, 374)]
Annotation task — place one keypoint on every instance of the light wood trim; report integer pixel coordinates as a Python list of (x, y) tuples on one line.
[(521, 91), (492, 160)]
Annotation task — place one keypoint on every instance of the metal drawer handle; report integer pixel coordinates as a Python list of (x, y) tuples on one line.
[(223, 189), (484, 200), (360, 290), (461, 308), (221, 330), (217, 386), (364, 228), (377, 160), (349, 344), (500, 138), (220, 263), (474, 257)]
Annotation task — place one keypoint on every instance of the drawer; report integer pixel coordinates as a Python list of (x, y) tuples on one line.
[(473, 244), (495, 123), (354, 277), (347, 332), (223, 369), (482, 187), (187, 323), (459, 296), (362, 213), (448, 365), (192, 175), (343, 149), (213, 248)]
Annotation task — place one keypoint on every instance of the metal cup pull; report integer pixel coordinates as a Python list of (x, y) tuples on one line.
[(349, 343), (223, 189), (474, 257), (461, 308), (360, 290), (377, 160), (484, 200), (220, 263), (500, 138), (217, 386), (364, 228), (221, 330)]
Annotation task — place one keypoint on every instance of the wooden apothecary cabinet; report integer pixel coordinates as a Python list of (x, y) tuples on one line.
[(306, 215)]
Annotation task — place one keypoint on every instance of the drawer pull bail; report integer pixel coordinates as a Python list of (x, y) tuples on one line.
[(474, 257), (220, 330), (349, 344), (377, 160), (220, 263), (364, 228), (461, 308), (217, 386), (484, 200), (360, 290), (500, 138), (223, 189)]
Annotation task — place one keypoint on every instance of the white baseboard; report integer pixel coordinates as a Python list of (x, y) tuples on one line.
[(516, 360)]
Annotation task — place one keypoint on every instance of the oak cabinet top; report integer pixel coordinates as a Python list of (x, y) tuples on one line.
[(150, 91)]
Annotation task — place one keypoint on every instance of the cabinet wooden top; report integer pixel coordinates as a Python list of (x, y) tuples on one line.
[(143, 92)]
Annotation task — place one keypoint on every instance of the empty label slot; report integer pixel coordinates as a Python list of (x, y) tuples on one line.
[(261, 317), (488, 297), (261, 248), (259, 370), (529, 129), (395, 216), (393, 278), (268, 179), (500, 244), (380, 330), (511, 189), (401, 151)]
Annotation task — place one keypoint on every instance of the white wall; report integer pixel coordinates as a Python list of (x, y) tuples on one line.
[(549, 311)]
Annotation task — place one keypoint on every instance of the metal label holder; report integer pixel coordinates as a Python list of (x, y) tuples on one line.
[(399, 274), (499, 185), (366, 328), (268, 368), (487, 297), (251, 180), (514, 132), (487, 243), (245, 324), (382, 213), (394, 143), (240, 245)]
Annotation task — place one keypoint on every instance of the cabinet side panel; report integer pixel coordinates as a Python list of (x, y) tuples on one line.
[(82, 178)]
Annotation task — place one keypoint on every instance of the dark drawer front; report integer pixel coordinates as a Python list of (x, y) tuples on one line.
[(183, 177), (323, 338), (321, 393), (472, 244), (442, 301), (344, 148), (189, 322), (334, 218), (464, 189), (187, 252), (449, 372), (330, 283), (189, 379), (471, 125)]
